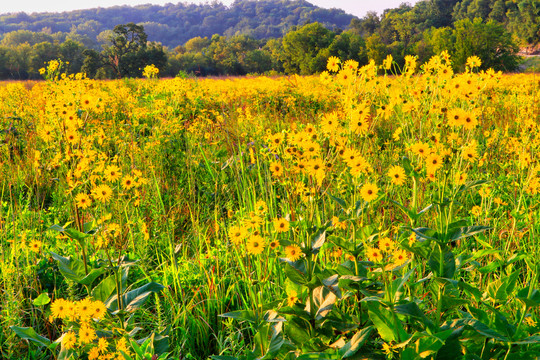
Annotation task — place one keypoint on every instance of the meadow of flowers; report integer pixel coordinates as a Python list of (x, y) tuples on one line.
[(357, 214)]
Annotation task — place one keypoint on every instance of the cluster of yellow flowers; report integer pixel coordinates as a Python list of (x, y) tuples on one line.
[(150, 71), (81, 319)]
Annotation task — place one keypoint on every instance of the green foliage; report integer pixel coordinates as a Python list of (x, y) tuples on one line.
[(128, 53), (174, 24), (487, 40), (303, 49)]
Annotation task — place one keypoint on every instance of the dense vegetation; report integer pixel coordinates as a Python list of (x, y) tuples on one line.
[(349, 215), (174, 24), (269, 36)]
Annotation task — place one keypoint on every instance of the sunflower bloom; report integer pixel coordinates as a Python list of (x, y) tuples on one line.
[(274, 244), (421, 149), (386, 244), (86, 334), (112, 173), (333, 64), (237, 234), (400, 257), (292, 298), (83, 201), (281, 225), (276, 168), (102, 193), (35, 245), (85, 309), (369, 191), (469, 120), (293, 252), (473, 61), (469, 153), (99, 310), (60, 309), (93, 354), (69, 340), (433, 162), (260, 207), (374, 254), (397, 175), (255, 245)]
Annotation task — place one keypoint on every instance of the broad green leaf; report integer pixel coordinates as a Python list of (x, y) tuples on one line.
[(472, 184), (71, 268), (317, 356), (534, 339), (356, 342), (90, 227), (444, 269), (491, 267), (383, 320), (477, 326), (298, 333), (295, 275), (340, 201), (332, 283), (66, 354), (409, 213), (318, 241), (29, 333), (57, 228), (323, 299), (398, 284), (501, 289), (342, 243), (411, 309), (424, 233), (241, 315), (104, 289), (92, 276), (133, 299), (76, 235), (471, 290), (42, 299), (530, 297), (467, 231)]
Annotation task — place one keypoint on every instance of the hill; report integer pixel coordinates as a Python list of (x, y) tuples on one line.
[(174, 24)]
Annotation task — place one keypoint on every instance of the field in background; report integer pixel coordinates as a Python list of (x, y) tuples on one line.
[(350, 215)]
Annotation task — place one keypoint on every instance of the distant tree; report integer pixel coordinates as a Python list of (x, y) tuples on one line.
[(525, 20), (197, 44), (122, 54), (367, 25), (126, 54), (257, 61), (442, 12), (487, 40), (4, 58), (347, 45), (479, 8), (19, 61), (15, 38), (92, 62), (302, 49), (498, 12), (274, 47), (42, 53), (440, 39), (72, 51), (375, 49)]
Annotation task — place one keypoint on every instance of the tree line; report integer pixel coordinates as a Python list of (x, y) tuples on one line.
[(174, 24), (484, 28)]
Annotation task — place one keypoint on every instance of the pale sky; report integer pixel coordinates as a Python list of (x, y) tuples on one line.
[(355, 7)]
